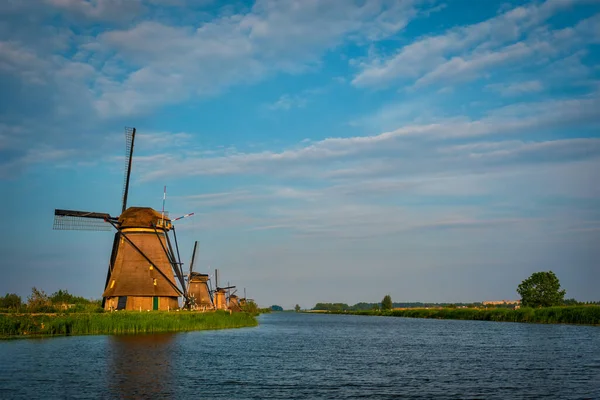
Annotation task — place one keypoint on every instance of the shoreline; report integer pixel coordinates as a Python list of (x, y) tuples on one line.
[(572, 315), (21, 326)]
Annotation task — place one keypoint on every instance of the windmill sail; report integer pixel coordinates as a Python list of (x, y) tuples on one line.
[(81, 221), (193, 256), (129, 139)]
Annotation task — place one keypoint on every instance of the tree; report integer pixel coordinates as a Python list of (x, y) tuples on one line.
[(11, 301), (386, 303), (331, 307), (250, 307), (541, 289), (38, 301), (297, 308), (62, 296)]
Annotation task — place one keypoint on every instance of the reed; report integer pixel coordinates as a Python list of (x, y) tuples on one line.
[(585, 315), (122, 322)]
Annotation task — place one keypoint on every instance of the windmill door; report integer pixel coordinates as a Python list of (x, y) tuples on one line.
[(122, 303), (155, 303)]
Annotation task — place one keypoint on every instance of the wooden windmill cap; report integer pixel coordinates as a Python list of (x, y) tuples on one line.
[(197, 276), (141, 217)]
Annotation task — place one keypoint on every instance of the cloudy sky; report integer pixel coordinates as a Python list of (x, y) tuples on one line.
[(332, 150)]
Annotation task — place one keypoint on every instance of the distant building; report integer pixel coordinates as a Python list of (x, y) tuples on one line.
[(515, 303)]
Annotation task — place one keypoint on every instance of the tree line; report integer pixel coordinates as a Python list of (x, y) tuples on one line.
[(40, 302), (541, 289), (362, 306)]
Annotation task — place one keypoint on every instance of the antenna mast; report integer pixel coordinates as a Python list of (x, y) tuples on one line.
[(163, 208)]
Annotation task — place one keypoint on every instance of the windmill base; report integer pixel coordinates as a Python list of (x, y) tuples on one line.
[(141, 303)]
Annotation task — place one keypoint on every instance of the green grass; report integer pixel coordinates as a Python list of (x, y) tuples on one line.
[(23, 325), (586, 315)]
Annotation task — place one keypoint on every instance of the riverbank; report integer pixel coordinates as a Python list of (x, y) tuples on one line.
[(116, 323), (585, 315)]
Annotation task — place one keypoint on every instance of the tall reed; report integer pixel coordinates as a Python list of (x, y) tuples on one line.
[(121, 322)]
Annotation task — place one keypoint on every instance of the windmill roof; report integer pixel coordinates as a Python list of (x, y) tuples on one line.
[(197, 276), (140, 217)]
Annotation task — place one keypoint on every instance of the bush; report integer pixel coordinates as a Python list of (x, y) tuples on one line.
[(10, 302)]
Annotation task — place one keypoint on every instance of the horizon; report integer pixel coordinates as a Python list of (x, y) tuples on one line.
[(331, 151)]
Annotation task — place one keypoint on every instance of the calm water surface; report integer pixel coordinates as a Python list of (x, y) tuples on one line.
[(305, 356)]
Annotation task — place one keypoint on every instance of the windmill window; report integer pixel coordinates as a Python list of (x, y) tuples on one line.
[(112, 284), (151, 267), (154, 282)]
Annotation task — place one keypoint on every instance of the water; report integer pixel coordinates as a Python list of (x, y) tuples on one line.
[(307, 356)]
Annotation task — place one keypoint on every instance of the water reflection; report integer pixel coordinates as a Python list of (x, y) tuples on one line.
[(140, 366)]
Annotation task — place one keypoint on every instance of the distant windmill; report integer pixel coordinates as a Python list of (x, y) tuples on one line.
[(220, 293), (198, 292), (234, 302), (143, 264)]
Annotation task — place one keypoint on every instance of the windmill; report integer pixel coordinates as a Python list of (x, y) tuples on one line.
[(234, 302), (220, 293), (243, 300), (198, 293), (143, 264)]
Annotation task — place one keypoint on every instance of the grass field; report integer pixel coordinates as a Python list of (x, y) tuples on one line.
[(587, 315), (122, 322)]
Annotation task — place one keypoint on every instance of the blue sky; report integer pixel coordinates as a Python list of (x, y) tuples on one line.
[(331, 150)]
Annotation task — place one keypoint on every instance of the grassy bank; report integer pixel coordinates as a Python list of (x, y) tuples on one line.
[(21, 325), (588, 315)]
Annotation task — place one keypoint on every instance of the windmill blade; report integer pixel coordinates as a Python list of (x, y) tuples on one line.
[(81, 221), (193, 257), (210, 289), (189, 277), (233, 293), (225, 288), (129, 139), (183, 216)]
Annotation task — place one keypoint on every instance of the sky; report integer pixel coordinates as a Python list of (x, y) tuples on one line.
[(332, 151)]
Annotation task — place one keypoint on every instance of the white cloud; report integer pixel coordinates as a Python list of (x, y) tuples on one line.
[(162, 140), (460, 69), (151, 62), (415, 148), (517, 88), (188, 61), (286, 102), (40, 155), (516, 202), (104, 10), (463, 53), (23, 62)]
